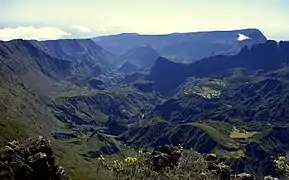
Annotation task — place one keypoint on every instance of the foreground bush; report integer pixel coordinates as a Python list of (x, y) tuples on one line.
[(191, 166), (166, 163), (34, 160)]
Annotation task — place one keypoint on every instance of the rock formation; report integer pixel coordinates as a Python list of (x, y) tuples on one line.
[(30, 160), (165, 156)]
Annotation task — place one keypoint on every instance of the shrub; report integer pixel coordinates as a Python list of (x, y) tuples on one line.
[(191, 166)]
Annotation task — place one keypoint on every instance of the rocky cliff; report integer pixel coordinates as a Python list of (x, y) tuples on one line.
[(30, 160)]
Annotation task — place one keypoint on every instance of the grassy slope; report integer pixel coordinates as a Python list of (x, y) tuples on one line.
[(95, 104), (25, 92), (24, 118)]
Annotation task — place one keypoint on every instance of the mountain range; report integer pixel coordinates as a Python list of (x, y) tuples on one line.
[(231, 99), (184, 47)]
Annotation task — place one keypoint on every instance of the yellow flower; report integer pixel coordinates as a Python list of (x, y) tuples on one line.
[(101, 158), (130, 160)]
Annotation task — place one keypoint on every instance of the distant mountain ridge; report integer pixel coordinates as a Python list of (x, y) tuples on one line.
[(185, 47)]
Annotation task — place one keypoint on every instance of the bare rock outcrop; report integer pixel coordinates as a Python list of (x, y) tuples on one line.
[(30, 160), (166, 156)]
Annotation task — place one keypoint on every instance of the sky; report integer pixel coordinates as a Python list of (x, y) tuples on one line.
[(53, 19)]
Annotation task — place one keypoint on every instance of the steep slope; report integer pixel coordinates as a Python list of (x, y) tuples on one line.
[(123, 103), (87, 58), (258, 101), (185, 47), (159, 133), (142, 57), (30, 80), (26, 75), (19, 55), (128, 68), (246, 123), (233, 106), (264, 57)]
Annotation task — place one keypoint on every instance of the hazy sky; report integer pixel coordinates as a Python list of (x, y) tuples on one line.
[(50, 19)]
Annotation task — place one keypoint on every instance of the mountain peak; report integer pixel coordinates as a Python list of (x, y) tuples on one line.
[(141, 56), (162, 60)]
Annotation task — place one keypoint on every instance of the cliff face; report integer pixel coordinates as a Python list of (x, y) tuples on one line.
[(86, 58), (30, 160), (263, 58)]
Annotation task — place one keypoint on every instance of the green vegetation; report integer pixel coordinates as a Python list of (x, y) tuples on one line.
[(229, 154), (282, 165), (67, 89), (191, 165), (241, 134), (221, 138), (207, 88)]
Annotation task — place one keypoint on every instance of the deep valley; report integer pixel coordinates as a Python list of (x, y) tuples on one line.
[(93, 98)]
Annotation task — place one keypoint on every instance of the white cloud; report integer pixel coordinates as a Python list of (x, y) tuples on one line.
[(82, 29), (242, 37), (30, 32)]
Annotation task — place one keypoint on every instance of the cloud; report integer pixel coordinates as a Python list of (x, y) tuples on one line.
[(30, 32), (242, 37), (82, 29)]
